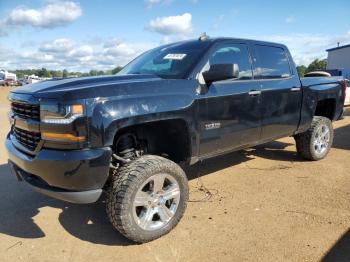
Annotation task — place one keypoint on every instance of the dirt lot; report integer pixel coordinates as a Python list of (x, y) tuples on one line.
[(267, 205)]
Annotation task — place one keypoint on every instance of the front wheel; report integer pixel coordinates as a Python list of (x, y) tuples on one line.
[(147, 198), (315, 143)]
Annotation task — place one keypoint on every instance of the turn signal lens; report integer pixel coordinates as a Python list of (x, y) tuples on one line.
[(77, 109), (62, 137)]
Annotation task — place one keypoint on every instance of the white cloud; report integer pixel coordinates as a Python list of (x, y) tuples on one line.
[(52, 14), (74, 56), (120, 49), (307, 47), (290, 19), (81, 51), (217, 22), (151, 3), (58, 45), (6, 56), (166, 40), (107, 53), (172, 25)]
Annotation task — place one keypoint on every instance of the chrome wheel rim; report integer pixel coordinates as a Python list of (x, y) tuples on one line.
[(321, 140), (156, 201)]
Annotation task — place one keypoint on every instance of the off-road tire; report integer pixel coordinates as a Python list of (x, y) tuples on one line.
[(123, 188), (305, 141)]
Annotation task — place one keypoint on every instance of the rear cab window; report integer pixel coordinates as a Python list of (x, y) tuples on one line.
[(272, 62)]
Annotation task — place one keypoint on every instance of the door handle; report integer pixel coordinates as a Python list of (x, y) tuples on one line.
[(295, 89), (254, 93)]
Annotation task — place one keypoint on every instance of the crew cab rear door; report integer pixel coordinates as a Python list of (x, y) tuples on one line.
[(280, 85)]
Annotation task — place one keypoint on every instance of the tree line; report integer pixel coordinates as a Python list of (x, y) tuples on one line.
[(43, 72), (317, 64)]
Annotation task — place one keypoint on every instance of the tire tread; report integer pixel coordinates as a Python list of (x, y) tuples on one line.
[(122, 187), (304, 140)]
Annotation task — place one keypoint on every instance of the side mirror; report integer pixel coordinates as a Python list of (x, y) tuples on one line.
[(219, 72)]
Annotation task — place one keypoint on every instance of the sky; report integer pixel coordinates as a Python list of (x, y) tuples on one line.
[(103, 34)]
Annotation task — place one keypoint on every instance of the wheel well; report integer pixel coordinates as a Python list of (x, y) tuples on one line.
[(325, 108), (169, 138)]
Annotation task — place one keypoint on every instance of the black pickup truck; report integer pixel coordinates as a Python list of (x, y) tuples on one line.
[(129, 134)]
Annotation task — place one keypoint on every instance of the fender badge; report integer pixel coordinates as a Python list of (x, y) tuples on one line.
[(212, 126)]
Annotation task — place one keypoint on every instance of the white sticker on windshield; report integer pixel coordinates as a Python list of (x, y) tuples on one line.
[(175, 56)]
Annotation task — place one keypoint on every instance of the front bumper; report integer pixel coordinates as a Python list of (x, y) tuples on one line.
[(76, 176)]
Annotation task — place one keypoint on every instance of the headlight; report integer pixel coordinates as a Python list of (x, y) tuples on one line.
[(60, 114), (57, 113)]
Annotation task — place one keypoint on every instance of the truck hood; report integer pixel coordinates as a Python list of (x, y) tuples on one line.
[(86, 87)]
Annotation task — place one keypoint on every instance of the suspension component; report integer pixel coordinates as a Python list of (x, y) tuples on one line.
[(126, 149), (118, 158), (126, 146)]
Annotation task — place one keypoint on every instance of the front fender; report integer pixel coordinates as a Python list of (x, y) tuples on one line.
[(111, 114)]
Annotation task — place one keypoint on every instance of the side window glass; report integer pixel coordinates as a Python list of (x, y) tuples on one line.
[(234, 54), (272, 62)]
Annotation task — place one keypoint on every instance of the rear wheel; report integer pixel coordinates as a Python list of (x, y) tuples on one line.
[(147, 198), (315, 143)]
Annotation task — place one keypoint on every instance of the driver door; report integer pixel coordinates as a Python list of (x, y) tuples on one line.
[(229, 113)]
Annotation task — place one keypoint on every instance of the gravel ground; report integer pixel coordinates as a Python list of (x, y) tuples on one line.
[(266, 204)]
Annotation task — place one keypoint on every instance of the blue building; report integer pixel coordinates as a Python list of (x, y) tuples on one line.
[(339, 58)]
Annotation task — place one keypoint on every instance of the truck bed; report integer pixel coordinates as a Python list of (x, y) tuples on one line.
[(312, 81)]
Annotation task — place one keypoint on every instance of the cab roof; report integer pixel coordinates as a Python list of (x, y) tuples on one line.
[(211, 41)]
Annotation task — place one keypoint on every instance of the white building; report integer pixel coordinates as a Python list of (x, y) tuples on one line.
[(339, 58), (5, 75)]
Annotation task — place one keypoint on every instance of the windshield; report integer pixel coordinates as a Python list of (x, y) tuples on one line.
[(173, 61)]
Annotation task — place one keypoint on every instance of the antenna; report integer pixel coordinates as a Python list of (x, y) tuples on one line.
[(203, 36)]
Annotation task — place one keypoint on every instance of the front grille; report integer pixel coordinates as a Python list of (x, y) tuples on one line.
[(28, 139), (23, 110)]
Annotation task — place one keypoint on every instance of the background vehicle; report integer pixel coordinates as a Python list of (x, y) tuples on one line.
[(10, 82), (347, 96), (345, 74), (177, 104), (318, 73)]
